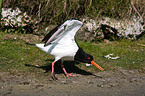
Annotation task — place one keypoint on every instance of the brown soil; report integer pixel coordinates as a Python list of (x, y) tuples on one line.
[(107, 83)]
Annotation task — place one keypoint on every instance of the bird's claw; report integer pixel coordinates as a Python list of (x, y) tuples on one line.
[(53, 76), (71, 74), (67, 75)]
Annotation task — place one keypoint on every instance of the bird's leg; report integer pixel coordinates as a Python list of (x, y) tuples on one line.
[(62, 66), (52, 73)]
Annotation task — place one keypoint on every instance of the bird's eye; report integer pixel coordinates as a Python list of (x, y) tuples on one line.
[(89, 58)]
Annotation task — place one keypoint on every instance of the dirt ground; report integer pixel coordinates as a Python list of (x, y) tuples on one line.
[(107, 83)]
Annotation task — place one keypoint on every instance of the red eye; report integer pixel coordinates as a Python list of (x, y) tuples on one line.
[(89, 58)]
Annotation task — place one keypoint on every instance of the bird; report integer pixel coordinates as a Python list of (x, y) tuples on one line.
[(60, 43)]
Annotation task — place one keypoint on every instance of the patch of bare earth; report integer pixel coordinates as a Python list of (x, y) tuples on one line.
[(107, 83)]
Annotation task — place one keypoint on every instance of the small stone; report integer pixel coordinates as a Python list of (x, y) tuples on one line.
[(39, 86), (100, 85), (90, 82)]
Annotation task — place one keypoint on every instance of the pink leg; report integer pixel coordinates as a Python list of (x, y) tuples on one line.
[(52, 73), (62, 66)]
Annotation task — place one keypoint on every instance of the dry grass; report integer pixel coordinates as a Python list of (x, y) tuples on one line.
[(57, 11)]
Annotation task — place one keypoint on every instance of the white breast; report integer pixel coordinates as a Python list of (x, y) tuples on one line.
[(65, 50)]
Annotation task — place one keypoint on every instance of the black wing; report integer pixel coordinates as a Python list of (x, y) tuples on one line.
[(46, 38)]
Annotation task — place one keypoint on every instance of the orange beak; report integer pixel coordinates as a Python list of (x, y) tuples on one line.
[(92, 62)]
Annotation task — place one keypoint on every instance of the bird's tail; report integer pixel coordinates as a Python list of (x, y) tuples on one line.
[(30, 44), (40, 46)]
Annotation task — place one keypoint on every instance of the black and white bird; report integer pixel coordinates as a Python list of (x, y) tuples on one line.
[(60, 43)]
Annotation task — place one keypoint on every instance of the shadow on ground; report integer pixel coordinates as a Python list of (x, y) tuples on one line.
[(69, 66)]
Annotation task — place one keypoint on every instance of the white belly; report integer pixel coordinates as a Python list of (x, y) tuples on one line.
[(64, 51)]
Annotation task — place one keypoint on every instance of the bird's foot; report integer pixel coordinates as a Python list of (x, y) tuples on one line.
[(53, 76), (71, 74)]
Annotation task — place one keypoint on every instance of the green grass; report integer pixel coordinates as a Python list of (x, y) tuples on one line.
[(15, 55), (131, 55)]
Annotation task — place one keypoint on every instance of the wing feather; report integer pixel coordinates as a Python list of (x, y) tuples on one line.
[(46, 38), (59, 32)]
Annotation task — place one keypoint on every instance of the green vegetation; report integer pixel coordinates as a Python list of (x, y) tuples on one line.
[(0, 8), (15, 55)]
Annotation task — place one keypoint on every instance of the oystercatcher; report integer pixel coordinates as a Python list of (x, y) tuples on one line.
[(60, 43)]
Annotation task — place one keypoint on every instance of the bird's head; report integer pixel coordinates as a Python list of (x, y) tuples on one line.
[(86, 58)]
